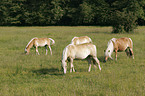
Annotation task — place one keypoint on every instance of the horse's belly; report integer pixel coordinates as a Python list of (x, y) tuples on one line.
[(121, 49), (81, 55), (42, 44)]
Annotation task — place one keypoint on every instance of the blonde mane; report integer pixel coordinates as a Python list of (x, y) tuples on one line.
[(30, 41)]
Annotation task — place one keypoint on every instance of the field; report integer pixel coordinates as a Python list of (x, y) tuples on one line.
[(41, 75)]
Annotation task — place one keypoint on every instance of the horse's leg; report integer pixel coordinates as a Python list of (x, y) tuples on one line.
[(72, 66), (96, 59), (127, 52), (115, 54), (46, 49), (89, 62), (94, 62), (111, 57), (132, 53), (50, 50), (37, 50)]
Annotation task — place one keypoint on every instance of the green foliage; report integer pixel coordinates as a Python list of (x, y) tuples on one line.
[(116, 13), (125, 14)]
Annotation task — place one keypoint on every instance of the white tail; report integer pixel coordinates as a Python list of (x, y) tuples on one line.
[(53, 42), (131, 42)]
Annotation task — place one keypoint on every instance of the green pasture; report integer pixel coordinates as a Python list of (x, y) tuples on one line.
[(41, 75)]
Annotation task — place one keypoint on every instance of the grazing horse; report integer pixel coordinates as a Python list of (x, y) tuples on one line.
[(39, 42), (80, 51), (118, 45), (81, 40)]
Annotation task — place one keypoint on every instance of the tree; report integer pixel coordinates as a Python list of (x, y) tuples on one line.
[(124, 14)]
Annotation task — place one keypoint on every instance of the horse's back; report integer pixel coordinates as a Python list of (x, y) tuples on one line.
[(41, 41), (81, 40), (125, 40), (83, 50)]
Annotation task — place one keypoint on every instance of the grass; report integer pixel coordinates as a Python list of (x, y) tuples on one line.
[(33, 75)]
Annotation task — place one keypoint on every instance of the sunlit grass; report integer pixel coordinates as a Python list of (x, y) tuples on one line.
[(41, 75)]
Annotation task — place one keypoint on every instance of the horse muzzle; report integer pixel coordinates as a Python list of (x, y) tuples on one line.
[(106, 58)]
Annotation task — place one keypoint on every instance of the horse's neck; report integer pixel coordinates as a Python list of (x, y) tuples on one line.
[(30, 45), (64, 57)]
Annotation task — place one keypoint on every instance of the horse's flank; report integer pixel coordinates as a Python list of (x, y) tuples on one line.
[(122, 43)]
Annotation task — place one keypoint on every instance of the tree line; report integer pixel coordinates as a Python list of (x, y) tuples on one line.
[(123, 15)]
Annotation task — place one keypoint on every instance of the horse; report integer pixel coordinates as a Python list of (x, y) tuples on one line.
[(80, 51), (39, 42), (119, 45), (81, 40)]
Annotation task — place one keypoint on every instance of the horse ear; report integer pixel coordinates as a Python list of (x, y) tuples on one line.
[(108, 50)]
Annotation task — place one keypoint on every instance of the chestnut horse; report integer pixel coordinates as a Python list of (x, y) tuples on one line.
[(71, 52), (81, 40), (39, 42), (118, 45)]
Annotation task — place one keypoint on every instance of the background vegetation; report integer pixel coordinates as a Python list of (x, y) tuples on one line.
[(123, 15), (33, 75)]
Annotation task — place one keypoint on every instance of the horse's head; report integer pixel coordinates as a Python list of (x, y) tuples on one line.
[(109, 50), (26, 51), (64, 66), (107, 54)]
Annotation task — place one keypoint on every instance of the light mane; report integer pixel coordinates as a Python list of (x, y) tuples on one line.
[(30, 41), (114, 40), (110, 47)]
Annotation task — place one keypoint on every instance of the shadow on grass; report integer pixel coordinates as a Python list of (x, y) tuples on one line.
[(101, 59), (51, 71)]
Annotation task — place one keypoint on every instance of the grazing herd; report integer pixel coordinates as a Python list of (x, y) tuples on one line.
[(83, 48)]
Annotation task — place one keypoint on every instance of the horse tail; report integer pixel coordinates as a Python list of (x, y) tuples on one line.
[(131, 46), (131, 42), (30, 41), (53, 42)]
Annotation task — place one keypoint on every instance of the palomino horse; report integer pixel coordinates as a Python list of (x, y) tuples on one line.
[(80, 51), (39, 42), (117, 45), (81, 40)]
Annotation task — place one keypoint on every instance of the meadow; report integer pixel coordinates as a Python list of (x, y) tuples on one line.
[(41, 75)]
